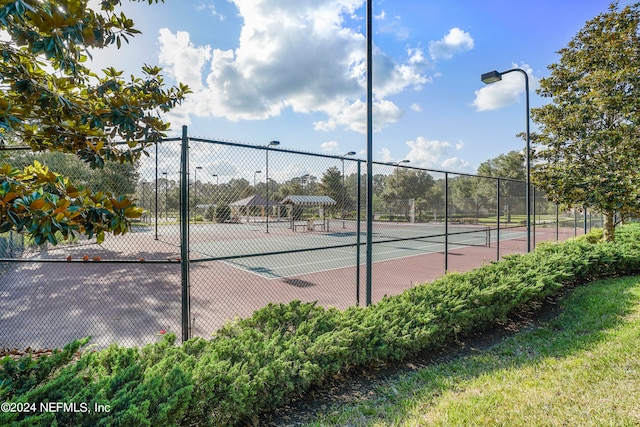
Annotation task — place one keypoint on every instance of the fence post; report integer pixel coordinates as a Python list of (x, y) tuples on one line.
[(358, 240), (497, 221), (585, 220), (557, 222), (156, 238), (184, 235), (369, 272), (533, 234), (446, 222)]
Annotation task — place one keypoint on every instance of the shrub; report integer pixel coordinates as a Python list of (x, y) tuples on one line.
[(223, 213), (593, 236)]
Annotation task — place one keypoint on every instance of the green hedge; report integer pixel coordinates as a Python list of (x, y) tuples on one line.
[(256, 364)]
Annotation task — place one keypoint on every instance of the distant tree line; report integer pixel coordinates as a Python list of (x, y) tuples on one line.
[(470, 197)]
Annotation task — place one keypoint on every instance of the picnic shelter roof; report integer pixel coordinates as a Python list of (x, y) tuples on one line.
[(254, 200), (308, 200)]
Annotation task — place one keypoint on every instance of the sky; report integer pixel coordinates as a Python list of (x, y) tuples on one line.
[(295, 71)]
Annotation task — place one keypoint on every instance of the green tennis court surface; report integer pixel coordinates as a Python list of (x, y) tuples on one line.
[(307, 252)]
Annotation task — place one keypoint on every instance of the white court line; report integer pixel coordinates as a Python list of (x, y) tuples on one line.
[(428, 248), (330, 260)]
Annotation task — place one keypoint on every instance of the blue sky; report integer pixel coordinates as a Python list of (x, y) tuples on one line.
[(294, 71)]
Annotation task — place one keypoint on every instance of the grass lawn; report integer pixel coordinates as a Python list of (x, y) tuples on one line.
[(580, 369)]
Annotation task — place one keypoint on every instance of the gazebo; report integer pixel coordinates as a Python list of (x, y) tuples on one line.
[(306, 201), (253, 206)]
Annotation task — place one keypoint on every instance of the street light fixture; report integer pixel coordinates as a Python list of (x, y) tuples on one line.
[(397, 181), (166, 200), (195, 194), (495, 76), (350, 153), (271, 144)]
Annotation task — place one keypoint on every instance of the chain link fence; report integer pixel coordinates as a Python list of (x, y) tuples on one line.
[(229, 228)]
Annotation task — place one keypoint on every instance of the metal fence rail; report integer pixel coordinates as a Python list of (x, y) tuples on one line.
[(231, 227)]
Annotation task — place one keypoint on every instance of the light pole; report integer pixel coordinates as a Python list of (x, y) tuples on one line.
[(396, 164), (305, 178), (254, 180), (166, 200), (217, 194), (195, 195), (271, 144), (495, 76), (344, 196), (143, 193)]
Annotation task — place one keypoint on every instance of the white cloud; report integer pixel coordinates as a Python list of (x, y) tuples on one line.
[(505, 92), (453, 42), (416, 107), (329, 146), (354, 116), (177, 117), (416, 56), (435, 154), (291, 55), (186, 67), (456, 164), (391, 26), (212, 10), (427, 153), (386, 155), (459, 146)]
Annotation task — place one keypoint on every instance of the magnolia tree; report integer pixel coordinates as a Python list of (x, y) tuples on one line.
[(587, 149), (51, 100)]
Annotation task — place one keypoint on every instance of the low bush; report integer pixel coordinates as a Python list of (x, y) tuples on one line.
[(593, 236), (223, 213), (255, 364)]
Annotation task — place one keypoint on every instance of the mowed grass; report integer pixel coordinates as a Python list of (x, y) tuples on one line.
[(580, 369)]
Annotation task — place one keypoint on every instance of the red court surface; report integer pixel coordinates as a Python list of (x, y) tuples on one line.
[(48, 304)]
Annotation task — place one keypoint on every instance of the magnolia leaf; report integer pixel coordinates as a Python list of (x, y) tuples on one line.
[(37, 204)]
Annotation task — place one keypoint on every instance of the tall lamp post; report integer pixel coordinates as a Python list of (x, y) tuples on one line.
[(304, 180), (495, 76), (195, 195), (350, 153), (254, 180), (166, 200), (217, 193), (271, 144), (396, 164)]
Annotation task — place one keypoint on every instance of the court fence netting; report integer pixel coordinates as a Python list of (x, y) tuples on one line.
[(230, 227)]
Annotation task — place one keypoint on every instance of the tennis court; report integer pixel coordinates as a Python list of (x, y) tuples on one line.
[(284, 252)]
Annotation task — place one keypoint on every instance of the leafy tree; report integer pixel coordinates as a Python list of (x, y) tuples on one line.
[(261, 188), (587, 145), (309, 184), (114, 177), (288, 188), (510, 165), (466, 196), (235, 190), (512, 195), (331, 185), (405, 184), (51, 101), (300, 185)]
